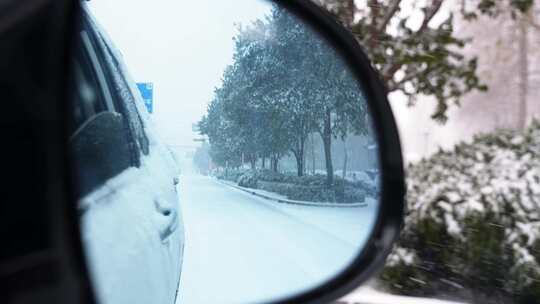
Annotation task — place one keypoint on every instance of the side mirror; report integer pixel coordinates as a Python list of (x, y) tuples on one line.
[(291, 187), (100, 150)]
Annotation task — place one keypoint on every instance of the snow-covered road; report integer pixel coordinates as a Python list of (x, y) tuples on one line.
[(244, 249)]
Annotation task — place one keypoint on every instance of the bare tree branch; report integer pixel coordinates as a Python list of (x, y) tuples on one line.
[(392, 87), (374, 34), (351, 8), (430, 13), (375, 8), (388, 73), (394, 7)]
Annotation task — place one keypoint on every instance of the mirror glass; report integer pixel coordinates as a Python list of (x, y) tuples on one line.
[(222, 151)]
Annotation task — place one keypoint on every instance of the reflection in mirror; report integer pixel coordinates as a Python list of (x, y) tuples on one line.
[(252, 173)]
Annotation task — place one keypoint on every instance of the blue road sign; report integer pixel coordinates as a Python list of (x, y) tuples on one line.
[(147, 93)]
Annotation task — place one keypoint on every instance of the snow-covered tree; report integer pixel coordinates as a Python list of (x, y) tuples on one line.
[(414, 46), (285, 83)]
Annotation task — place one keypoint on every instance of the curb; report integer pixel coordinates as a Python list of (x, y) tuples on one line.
[(293, 202)]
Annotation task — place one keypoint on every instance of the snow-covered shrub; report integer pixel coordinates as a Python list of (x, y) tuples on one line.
[(271, 176), (231, 175), (315, 193), (248, 179), (312, 180), (354, 194), (310, 188), (473, 222)]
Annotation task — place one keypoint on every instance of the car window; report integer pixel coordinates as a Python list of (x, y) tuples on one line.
[(123, 95), (92, 93)]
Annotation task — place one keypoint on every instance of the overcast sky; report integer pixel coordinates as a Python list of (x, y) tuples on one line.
[(180, 46)]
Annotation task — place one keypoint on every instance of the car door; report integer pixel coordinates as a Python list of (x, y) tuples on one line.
[(130, 218)]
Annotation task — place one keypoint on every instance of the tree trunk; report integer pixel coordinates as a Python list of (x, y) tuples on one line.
[(345, 158), (263, 163), (327, 142), (299, 155), (299, 164), (523, 70), (275, 161), (252, 162), (312, 155)]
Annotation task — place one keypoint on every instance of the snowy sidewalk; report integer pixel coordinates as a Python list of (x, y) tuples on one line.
[(283, 199)]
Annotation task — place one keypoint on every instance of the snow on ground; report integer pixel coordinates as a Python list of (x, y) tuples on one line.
[(368, 295), (243, 249)]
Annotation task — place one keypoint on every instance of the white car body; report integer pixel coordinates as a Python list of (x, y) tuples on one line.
[(132, 227)]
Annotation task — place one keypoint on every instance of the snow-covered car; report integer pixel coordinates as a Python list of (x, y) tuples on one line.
[(126, 180)]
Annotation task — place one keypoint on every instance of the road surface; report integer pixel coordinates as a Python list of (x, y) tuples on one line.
[(243, 249)]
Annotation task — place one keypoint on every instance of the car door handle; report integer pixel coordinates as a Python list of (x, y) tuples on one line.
[(169, 218), (176, 181)]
